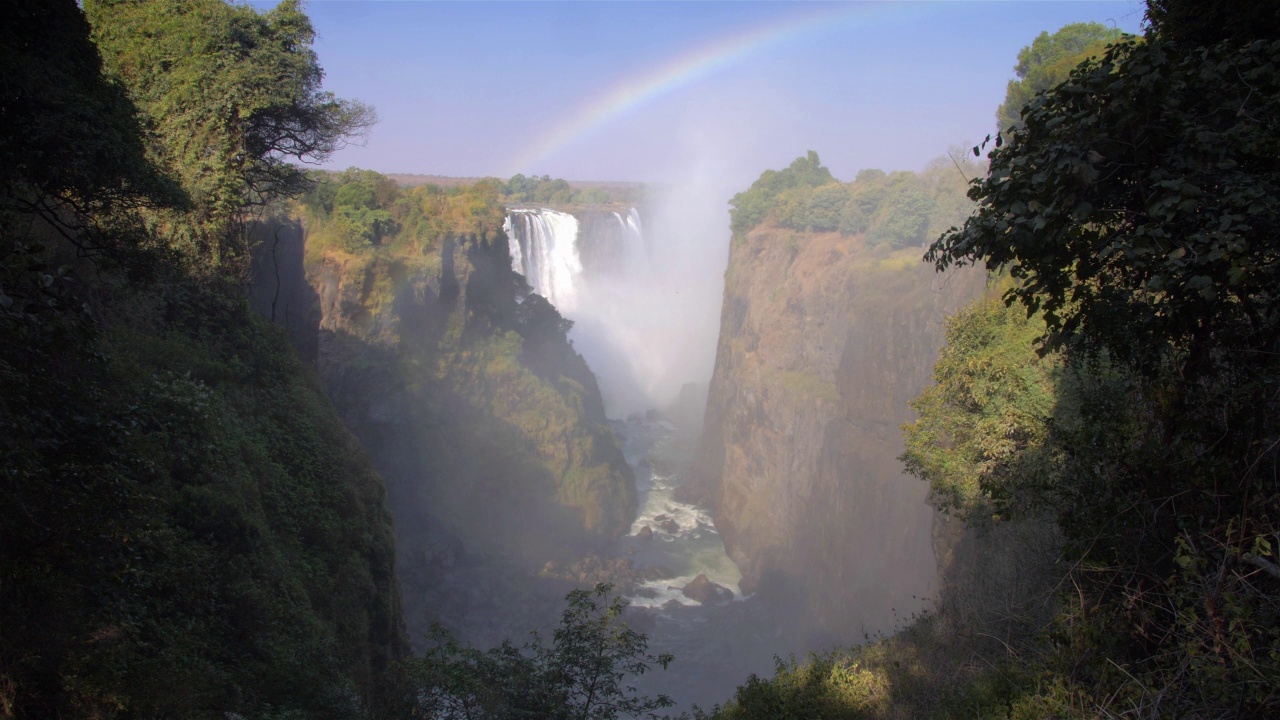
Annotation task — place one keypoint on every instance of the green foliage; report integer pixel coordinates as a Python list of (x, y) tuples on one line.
[(186, 529), (983, 424), (1137, 210), (750, 207), (582, 675), (547, 191), (903, 215), (1195, 24), (817, 209), (357, 210), (946, 182), (897, 210), (229, 95), (188, 542), (825, 686), (866, 192), (1141, 195), (71, 147), (1049, 60)]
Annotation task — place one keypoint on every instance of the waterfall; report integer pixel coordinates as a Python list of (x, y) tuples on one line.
[(596, 268), (544, 249)]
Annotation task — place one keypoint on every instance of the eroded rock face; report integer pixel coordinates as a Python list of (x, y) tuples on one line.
[(823, 343), (488, 427)]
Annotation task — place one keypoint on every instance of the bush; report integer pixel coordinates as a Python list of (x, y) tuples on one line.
[(581, 675)]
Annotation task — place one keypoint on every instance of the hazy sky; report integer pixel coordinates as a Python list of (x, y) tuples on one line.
[(644, 90)]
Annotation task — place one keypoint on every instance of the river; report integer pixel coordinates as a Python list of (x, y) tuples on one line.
[(716, 645)]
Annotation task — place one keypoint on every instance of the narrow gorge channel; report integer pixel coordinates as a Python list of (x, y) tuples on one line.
[(786, 524), (599, 270)]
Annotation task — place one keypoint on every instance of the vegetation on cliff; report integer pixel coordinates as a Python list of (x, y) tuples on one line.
[(897, 209), (511, 410), (229, 96), (1048, 61), (581, 675), (186, 530), (357, 210)]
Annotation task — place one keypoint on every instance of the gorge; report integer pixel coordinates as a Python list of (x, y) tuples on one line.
[(279, 443), (823, 339)]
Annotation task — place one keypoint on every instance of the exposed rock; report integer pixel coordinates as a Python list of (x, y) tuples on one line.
[(823, 343), (645, 534), (667, 523), (395, 340), (705, 591)]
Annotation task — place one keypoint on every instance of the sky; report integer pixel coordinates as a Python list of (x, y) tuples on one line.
[(649, 91)]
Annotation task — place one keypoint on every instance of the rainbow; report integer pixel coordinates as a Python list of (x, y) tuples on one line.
[(684, 70)]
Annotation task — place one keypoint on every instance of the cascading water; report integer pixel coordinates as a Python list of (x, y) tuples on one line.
[(599, 270), (596, 270), (544, 249)]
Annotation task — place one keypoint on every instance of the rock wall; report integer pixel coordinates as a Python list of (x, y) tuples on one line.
[(487, 425), (823, 343)]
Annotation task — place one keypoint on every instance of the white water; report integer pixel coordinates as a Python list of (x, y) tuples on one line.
[(717, 645), (545, 250), (684, 539), (631, 321), (645, 319)]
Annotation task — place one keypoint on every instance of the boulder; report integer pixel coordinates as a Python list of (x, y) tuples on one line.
[(667, 523), (645, 533), (705, 591)]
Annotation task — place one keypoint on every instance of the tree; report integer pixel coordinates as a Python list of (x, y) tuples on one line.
[(749, 208), (71, 145), (866, 192), (903, 214), (1139, 204), (230, 96), (581, 676), (1197, 23), (983, 425), (1048, 60), (1136, 211)]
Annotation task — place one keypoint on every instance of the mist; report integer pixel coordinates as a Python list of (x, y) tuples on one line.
[(794, 483)]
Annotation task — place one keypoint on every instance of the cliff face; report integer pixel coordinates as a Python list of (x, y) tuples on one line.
[(823, 342), (487, 426)]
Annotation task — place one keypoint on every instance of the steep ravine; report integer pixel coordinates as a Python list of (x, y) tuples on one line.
[(487, 426), (823, 343)]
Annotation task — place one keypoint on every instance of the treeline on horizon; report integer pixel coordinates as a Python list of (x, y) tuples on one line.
[(896, 209), (358, 209)]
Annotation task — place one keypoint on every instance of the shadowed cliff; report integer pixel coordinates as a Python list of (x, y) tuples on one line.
[(486, 423), (823, 343)]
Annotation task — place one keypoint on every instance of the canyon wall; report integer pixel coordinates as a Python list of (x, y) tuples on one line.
[(823, 343), (486, 424)]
